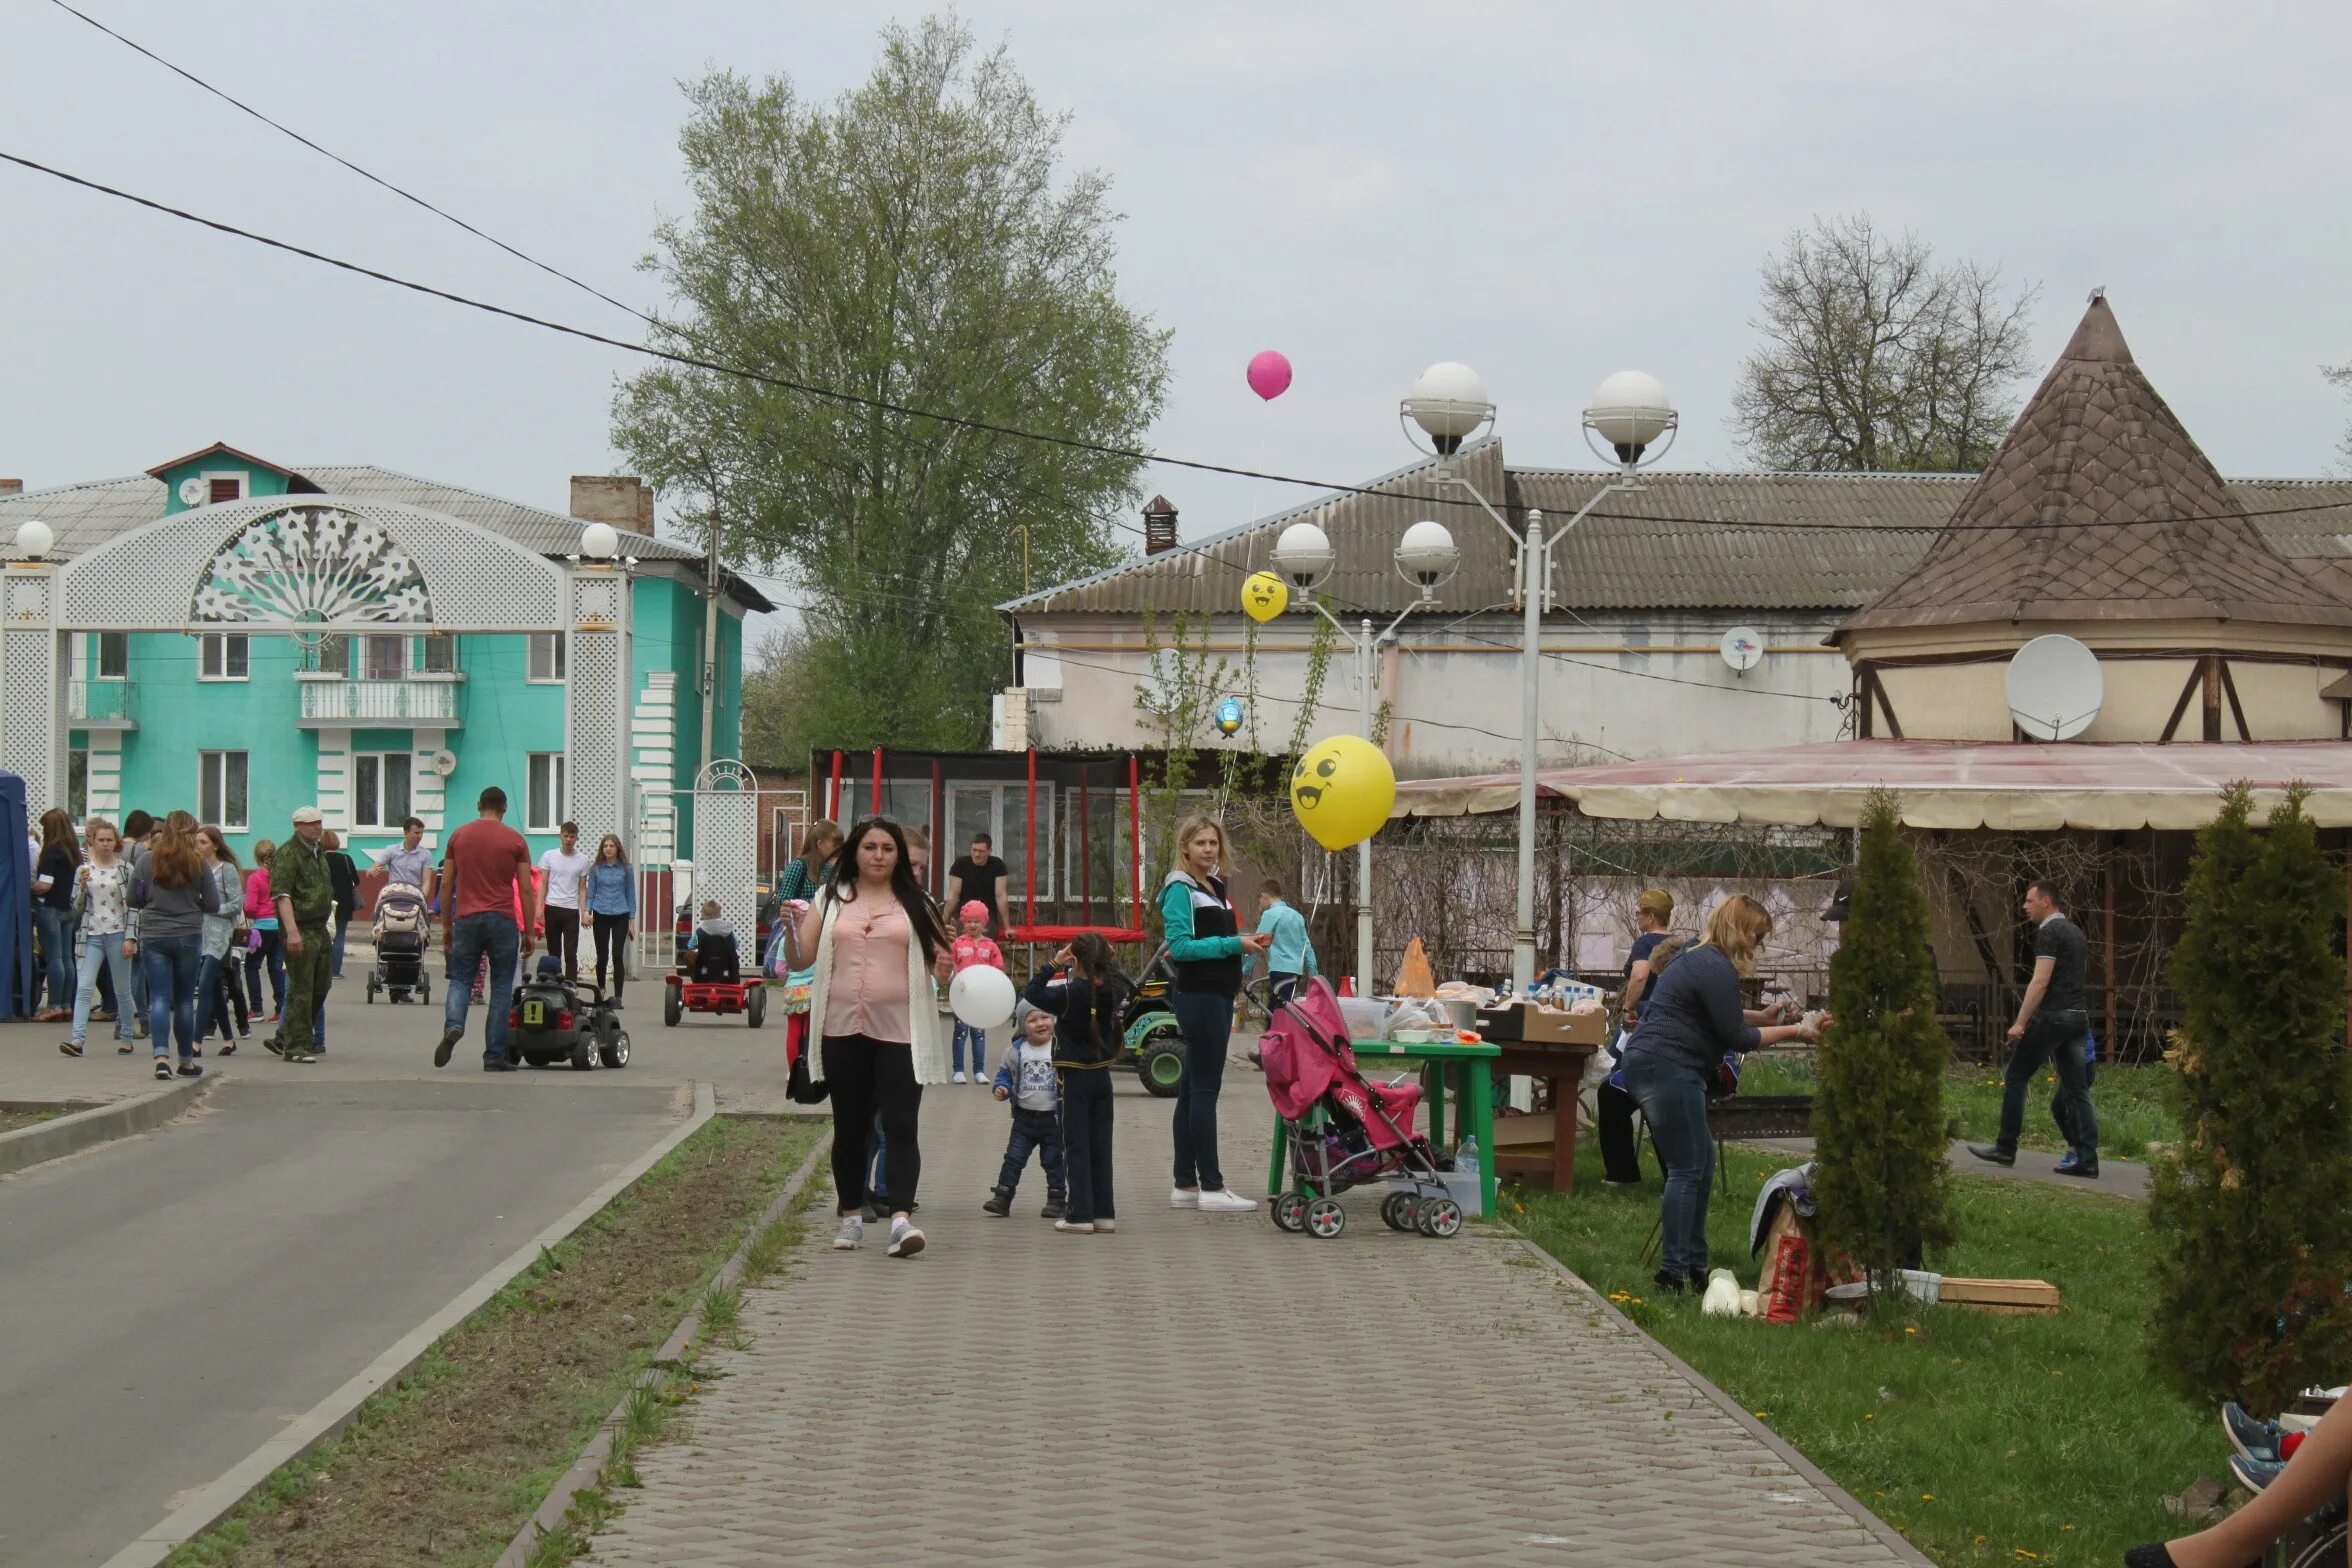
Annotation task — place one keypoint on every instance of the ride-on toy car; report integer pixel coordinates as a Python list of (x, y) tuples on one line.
[(708, 980), (550, 1021)]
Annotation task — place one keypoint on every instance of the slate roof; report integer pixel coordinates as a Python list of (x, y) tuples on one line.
[(2100, 507), (1835, 542), (86, 515)]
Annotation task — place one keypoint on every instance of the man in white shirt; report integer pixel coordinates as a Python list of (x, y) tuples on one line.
[(564, 869)]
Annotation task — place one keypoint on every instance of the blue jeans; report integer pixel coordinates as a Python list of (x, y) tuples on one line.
[(272, 952), (1040, 1131), (1673, 1100), (57, 952), (102, 953), (1207, 1023), (979, 1039), (170, 964), (472, 939), (342, 930)]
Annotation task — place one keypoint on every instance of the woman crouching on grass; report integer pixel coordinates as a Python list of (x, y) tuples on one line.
[(875, 942), (1082, 988)]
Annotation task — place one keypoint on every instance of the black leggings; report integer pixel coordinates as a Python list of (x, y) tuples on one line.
[(563, 938), (612, 942), (869, 1077)]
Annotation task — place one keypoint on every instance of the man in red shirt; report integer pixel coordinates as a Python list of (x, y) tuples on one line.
[(486, 880)]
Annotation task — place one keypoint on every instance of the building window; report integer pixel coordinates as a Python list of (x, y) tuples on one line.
[(224, 487), (224, 657), (77, 783), (437, 654), (114, 655), (220, 789), (547, 657), (332, 656), (544, 811), (379, 789), (383, 658)]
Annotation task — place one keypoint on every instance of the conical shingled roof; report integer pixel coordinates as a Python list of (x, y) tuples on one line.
[(2099, 507)]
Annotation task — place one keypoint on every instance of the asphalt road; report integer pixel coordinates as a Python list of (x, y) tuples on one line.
[(169, 1302)]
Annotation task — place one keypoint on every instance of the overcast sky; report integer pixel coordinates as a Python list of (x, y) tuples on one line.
[(1549, 192)]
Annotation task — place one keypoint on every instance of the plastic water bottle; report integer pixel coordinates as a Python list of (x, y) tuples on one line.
[(1466, 1158)]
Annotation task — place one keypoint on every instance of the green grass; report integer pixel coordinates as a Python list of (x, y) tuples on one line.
[(2129, 1101), (1982, 1438)]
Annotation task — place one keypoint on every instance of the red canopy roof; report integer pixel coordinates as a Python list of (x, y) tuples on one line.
[(1944, 784)]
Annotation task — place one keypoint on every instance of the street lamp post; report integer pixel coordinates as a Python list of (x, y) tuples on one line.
[(1630, 412), (1426, 557)]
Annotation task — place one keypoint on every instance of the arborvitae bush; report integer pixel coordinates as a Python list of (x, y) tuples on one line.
[(2251, 1213), (1879, 1124)]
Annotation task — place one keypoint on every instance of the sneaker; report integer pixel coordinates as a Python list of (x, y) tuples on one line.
[(2074, 1164), (960, 1078), (905, 1240), (163, 1069), (1668, 1281), (1225, 1201), (2255, 1474), (1184, 1198), (70, 1047), (999, 1202), (441, 1052), (103, 1015), (297, 1055), (1104, 1227), (853, 1231), (1076, 1227), (2255, 1439), (499, 1064), (1993, 1156), (1056, 1205)]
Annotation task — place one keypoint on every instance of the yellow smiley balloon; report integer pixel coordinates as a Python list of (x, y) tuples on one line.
[(1343, 791), (1264, 596)]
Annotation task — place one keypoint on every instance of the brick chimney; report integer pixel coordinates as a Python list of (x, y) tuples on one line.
[(1159, 526), (11, 487), (623, 500)]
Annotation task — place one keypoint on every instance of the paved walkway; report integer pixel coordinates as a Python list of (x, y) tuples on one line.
[(2116, 1178), (1204, 1390)]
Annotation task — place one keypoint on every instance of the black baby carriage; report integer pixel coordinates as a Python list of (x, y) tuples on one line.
[(401, 930), (549, 1021)]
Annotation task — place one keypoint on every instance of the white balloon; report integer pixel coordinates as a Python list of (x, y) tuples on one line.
[(982, 996)]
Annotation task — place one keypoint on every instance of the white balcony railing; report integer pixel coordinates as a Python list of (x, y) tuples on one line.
[(372, 702)]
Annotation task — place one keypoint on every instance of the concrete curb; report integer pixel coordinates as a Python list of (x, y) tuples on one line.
[(330, 1415), (1887, 1535), (28, 1146), (590, 1465)]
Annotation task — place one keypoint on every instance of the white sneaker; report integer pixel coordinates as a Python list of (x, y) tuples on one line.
[(1226, 1202), (905, 1240), (1105, 1227), (1184, 1198), (960, 1078), (853, 1231), (1076, 1227)]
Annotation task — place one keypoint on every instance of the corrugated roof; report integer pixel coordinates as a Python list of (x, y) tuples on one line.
[(2100, 506), (84, 516), (1833, 542)]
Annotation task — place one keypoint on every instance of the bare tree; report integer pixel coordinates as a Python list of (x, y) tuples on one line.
[(1876, 358), (2341, 376)]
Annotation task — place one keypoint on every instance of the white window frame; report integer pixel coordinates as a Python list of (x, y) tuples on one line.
[(206, 761), (386, 819), (98, 647), (553, 765), (367, 643), (212, 656), (557, 660)]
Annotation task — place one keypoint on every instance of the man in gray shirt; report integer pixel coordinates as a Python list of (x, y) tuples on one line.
[(2053, 1025), (409, 861)]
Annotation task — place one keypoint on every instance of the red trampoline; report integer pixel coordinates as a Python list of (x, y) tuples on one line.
[(1076, 791)]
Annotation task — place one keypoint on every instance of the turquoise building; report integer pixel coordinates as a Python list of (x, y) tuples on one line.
[(238, 638)]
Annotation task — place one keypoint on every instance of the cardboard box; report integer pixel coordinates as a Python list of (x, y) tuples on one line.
[(1541, 1026), (2013, 1296)]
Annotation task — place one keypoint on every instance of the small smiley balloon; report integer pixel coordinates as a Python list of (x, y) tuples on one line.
[(1229, 716), (1342, 791), (1264, 596)]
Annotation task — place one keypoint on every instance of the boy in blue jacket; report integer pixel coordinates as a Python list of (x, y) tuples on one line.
[(1292, 956)]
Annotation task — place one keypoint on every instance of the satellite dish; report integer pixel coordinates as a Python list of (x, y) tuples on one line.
[(2054, 687), (1742, 648), (443, 763)]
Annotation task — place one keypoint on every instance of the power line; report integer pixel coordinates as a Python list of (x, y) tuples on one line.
[(1074, 443)]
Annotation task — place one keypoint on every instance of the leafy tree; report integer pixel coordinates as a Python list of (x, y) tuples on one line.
[(1876, 358), (2253, 1236), (1880, 1128), (915, 243), (779, 701)]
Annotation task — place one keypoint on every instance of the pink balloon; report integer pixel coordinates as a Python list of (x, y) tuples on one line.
[(1269, 375)]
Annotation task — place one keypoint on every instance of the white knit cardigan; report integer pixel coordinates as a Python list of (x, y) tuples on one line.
[(930, 1040)]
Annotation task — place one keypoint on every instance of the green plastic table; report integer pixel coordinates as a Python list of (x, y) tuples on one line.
[(1476, 1064)]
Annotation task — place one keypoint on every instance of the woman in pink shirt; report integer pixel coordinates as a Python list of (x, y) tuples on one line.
[(875, 942)]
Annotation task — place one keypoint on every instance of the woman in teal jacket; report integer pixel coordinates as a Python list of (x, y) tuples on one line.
[(1208, 949)]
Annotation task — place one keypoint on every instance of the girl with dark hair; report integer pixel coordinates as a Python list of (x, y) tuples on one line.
[(53, 893), (1084, 989), (875, 943), (610, 892), (168, 904)]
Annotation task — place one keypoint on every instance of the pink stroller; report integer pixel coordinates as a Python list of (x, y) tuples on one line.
[(1344, 1129)]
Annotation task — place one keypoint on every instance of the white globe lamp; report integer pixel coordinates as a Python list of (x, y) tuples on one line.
[(1427, 554), (1450, 405), (1630, 411), (1303, 554), (33, 538), (599, 541)]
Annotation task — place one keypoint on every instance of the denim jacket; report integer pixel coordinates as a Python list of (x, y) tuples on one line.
[(610, 890)]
